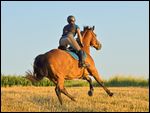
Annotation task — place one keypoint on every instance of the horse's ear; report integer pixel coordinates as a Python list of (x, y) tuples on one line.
[(93, 28)]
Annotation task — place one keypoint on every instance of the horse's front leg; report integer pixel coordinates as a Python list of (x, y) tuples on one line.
[(90, 92), (94, 73)]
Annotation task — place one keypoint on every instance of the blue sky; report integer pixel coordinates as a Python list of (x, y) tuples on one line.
[(32, 28)]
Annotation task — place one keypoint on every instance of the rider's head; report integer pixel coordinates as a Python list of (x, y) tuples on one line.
[(71, 19)]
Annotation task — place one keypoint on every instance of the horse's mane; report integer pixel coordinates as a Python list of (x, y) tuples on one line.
[(87, 28)]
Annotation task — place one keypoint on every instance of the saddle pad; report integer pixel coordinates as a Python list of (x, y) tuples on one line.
[(74, 55)]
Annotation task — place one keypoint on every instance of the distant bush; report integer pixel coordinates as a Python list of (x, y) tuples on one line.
[(127, 81), (14, 80), (118, 81), (123, 81), (21, 81)]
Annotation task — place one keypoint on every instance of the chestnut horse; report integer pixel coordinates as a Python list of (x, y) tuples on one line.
[(58, 65)]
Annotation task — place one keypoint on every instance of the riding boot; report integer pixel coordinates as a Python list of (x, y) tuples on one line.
[(81, 59)]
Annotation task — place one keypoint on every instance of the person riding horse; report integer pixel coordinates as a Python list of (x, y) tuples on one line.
[(49, 65), (69, 32)]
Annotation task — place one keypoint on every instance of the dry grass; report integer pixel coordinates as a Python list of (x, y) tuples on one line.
[(44, 99)]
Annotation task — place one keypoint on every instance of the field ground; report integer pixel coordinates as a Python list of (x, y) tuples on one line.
[(30, 98)]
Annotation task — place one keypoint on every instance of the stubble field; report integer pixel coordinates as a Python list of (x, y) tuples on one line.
[(42, 99)]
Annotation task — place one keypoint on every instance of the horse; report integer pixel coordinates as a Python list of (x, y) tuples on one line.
[(58, 65)]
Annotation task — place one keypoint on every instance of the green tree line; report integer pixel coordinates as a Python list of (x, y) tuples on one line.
[(119, 81)]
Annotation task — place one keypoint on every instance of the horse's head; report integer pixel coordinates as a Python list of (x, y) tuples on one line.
[(89, 38)]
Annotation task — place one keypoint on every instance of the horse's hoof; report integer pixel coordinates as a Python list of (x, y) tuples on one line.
[(90, 93), (110, 94)]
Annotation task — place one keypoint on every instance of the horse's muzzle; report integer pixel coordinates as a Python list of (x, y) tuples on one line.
[(99, 47)]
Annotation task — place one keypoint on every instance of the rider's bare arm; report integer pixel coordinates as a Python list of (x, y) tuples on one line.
[(80, 36)]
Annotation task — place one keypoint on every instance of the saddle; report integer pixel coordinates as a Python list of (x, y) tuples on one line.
[(72, 52)]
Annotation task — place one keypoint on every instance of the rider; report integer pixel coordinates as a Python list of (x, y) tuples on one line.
[(69, 32)]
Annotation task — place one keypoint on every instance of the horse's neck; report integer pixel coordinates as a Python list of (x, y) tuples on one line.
[(86, 49), (86, 42)]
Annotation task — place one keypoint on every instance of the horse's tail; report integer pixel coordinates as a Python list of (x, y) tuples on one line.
[(39, 69)]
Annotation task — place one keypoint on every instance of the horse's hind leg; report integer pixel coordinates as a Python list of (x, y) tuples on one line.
[(60, 88), (64, 91), (96, 76), (90, 92), (57, 89), (58, 93)]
